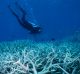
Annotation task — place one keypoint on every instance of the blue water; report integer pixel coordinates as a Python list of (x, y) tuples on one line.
[(60, 22), (58, 19)]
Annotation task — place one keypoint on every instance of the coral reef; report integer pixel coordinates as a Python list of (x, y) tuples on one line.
[(29, 57)]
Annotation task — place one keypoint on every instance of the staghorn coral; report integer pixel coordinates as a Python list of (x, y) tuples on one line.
[(28, 57)]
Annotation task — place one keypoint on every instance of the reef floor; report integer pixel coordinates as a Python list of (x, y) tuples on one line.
[(29, 57)]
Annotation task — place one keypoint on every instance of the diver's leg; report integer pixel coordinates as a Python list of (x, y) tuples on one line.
[(20, 8), (14, 13)]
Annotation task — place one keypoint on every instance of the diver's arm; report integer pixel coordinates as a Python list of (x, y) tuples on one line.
[(29, 25), (22, 21), (25, 23)]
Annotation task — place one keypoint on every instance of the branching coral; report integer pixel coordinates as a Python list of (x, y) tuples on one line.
[(40, 58)]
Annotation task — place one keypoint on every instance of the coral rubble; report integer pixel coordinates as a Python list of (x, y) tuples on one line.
[(29, 57)]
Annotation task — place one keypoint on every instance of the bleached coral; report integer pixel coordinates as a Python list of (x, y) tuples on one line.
[(28, 57)]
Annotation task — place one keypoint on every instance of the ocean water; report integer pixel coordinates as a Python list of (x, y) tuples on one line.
[(57, 18), (55, 50)]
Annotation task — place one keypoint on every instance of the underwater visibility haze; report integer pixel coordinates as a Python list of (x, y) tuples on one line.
[(57, 18), (39, 36)]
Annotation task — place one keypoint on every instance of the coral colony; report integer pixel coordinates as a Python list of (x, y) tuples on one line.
[(29, 57)]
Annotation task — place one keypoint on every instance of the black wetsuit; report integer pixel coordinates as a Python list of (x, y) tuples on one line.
[(24, 23)]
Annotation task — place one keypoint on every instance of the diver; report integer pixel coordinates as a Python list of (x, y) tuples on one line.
[(33, 28)]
